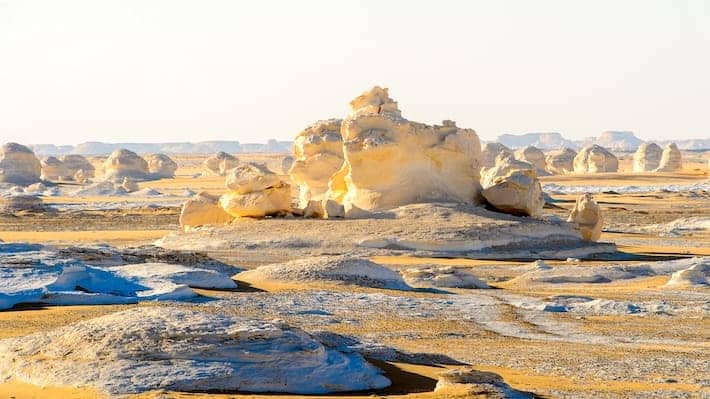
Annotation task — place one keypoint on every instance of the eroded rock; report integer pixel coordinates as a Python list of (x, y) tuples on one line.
[(533, 156), (560, 161), (595, 159), (219, 163), (255, 191), (54, 169), (75, 163), (512, 187), (647, 157), (123, 163), (671, 159), (18, 165), (161, 166), (203, 210), (491, 151), (587, 216)]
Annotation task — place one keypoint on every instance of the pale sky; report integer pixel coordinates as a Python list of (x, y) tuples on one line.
[(156, 71)]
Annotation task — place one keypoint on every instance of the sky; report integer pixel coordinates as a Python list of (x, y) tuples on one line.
[(169, 70)]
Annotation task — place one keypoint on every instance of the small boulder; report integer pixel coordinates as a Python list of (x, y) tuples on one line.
[(512, 187), (268, 202), (161, 166), (250, 177), (587, 217), (203, 210), (445, 277), (219, 163)]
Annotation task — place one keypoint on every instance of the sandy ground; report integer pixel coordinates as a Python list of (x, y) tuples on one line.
[(565, 368)]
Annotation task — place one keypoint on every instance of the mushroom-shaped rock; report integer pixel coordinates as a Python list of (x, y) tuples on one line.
[(512, 187), (317, 155), (595, 159), (161, 166), (491, 151), (203, 210), (75, 163), (671, 159), (647, 157), (587, 217), (391, 161), (18, 165), (123, 163), (219, 163), (169, 348), (533, 156), (255, 191), (560, 161), (54, 169)]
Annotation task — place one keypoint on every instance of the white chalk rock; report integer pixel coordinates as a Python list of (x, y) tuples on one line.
[(696, 275), (587, 216), (163, 348), (317, 154), (18, 165), (75, 163), (54, 169), (445, 277), (533, 156), (268, 202), (250, 177), (203, 210), (219, 163), (161, 166), (671, 159), (647, 157), (123, 163), (491, 151), (560, 161), (595, 159), (391, 161), (129, 185), (512, 187)]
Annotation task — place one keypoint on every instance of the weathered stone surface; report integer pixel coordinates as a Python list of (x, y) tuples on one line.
[(286, 163), (75, 163), (533, 156), (54, 169), (491, 151), (318, 154), (595, 159), (18, 203), (18, 165), (271, 201), (512, 187), (443, 276), (647, 157), (161, 166), (587, 216), (671, 159), (123, 163), (250, 177), (203, 210), (129, 185), (219, 163), (560, 161)]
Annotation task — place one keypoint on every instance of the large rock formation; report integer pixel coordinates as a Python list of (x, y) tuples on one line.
[(491, 151), (219, 163), (512, 187), (533, 156), (647, 157), (54, 169), (255, 191), (595, 159), (123, 163), (318, 154), (18, 165), (671, 159), (391, 161), (203, 210), (285, 165), (75, 163), (587, 217), (560, 161), (161, 166)]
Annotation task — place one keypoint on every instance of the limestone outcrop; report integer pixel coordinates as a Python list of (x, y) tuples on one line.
[(255, 191), (560, 161), (491, 151), (286, 163), (533, 156), (647, 157), (595, 159), (203, 210), (75, 163), (219, 163), (391, 161), (512, 187), (161, 166), (129, 185), (123, 163), (18, 165), (671, 159), (317, 154), (20, 203), (54, 169), (587, 217)]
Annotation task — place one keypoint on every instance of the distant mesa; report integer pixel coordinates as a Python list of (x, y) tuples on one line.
[(543, 141)]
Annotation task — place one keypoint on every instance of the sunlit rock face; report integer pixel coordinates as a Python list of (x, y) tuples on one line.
[(123, 163), (18, 165), (647, 157), (317, 155), (595, 159), (512, 187), (161, 166), (219, 163), (255, 191), (54, 169), (391, 161), (559, 162), (533, 156), (671, 159), (203, 210), (491, 151), (587, 217), (75, 163)]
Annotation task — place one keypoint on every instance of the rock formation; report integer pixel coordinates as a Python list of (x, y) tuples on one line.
[(219, 163), (533, 156), (54, 169), (81, 177), (161, 166), (587, 217), (491, 151), (671, 159), (286, 163), (75, 163), (318, 154), (445, 277), (560, 161), (19, 203), (129, 185), (595, 159), (203, 210), (647, 157), (255, 191), (696, 275), (18, 165), (512, 187), (391, 161), (124, 163)]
